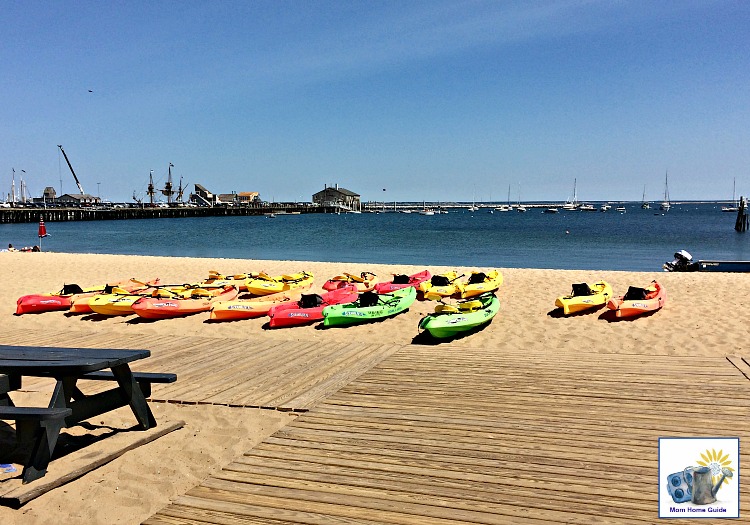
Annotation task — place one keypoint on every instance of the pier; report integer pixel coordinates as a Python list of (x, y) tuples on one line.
[(57, 214)]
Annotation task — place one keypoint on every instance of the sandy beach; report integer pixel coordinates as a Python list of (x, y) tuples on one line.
[(702, 318)]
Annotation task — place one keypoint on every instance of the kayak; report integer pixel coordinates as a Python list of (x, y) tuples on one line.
[(264, 284), (309, 308), (120, 301), (443, 285), (369, 306), (80, 303), (449, 320), (180, 302), (584, 297), (364, 282), (251, 308), (62, 300), (402, 281), (479, 283), (638, 301)]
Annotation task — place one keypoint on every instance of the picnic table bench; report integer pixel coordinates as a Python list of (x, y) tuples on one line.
[(68, 406)]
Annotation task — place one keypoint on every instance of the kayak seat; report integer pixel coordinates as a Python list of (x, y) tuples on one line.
[(369, 299), (635, 294), (477, 277), (310, 301), (400, 279), (70, 289), (580, 289), (470, 306), (439, 280), (445, 309)]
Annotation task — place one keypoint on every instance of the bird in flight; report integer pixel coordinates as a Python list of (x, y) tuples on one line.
[(91, 91)]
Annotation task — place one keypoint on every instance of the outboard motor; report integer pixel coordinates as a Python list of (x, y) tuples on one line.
[(683, 262)]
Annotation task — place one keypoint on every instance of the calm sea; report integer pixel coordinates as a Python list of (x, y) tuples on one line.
[(635, 240)]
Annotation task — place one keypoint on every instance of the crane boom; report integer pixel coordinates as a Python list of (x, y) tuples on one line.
[(80, 188)]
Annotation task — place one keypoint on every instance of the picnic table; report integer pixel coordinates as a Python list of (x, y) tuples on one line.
[(69, 406)]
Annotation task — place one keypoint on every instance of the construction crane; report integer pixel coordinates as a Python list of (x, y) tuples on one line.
[(80, 188)]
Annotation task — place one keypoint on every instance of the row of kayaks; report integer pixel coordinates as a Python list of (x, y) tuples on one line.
[(347, 299), (635, 302)]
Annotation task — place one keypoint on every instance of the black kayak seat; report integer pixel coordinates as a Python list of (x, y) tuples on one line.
[(401, 279), (310, 300), (580, 289), (635, 294), (477, 277), (368, 299), (439, 280)]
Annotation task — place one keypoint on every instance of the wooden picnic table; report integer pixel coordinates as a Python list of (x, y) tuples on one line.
[(69, 406)]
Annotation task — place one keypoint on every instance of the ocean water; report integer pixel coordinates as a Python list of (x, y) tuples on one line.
[(638, 240)]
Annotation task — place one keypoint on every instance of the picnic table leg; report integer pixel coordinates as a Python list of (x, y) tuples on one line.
[(134, 396), (45, 438), (8, 383)]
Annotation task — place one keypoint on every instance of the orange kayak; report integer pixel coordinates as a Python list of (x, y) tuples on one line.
[(364, 282), (639, 301), (178, 303)]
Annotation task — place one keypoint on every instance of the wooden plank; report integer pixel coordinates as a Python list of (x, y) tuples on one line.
[(15, 494)]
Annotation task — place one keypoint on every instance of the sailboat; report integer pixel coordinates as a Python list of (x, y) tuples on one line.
[(644, 205), (520, 208), (734, 206), (505, 207), (426, 210), (665, 205), (572, 204)]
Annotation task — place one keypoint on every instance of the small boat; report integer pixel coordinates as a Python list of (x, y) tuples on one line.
[(264, 284), (621, 209), (80, 304), (120, 301), (309, 308), (480, 283), (449, 321), (638, 301), (735, 205), (550, 210), (644, 203), (62, 300), (364, 282), (683, 262), (175, 302), (402, 281), (605, 207), (584, 297), (250, 308), (587, 207), (369, 306), (443, 284), (665, 206)]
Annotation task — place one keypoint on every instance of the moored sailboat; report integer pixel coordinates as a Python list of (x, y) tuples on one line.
[(666, 205)]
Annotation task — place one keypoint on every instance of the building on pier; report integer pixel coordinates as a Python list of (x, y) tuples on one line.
[(337, 197)]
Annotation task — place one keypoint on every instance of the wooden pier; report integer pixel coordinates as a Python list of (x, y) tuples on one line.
[(21, 215)]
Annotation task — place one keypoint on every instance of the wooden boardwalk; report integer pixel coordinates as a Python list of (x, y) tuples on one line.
[(441, 435), (286, 375)]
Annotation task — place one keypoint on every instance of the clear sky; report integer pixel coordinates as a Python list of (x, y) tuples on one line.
[(434, 100)]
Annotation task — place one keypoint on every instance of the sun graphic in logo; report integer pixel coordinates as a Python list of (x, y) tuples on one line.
[(716, 461)]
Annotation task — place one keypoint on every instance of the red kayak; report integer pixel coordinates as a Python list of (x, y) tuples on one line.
[(402, 281), (50, 302), (310, 307), (178, 303)]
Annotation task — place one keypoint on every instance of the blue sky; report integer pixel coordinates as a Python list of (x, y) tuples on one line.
[(430, 100)]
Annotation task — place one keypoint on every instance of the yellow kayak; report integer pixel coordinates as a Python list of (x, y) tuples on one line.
[(443, 285), (479, 283), (264, 284), (585, 296)]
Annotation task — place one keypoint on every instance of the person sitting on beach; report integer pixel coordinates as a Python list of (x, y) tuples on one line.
[(30, 249), (11, 248)]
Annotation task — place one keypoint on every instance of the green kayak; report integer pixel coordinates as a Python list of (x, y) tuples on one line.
[(369, 307), (449, 321)]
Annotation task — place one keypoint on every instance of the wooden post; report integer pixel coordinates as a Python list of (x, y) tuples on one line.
[(741, 224)]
